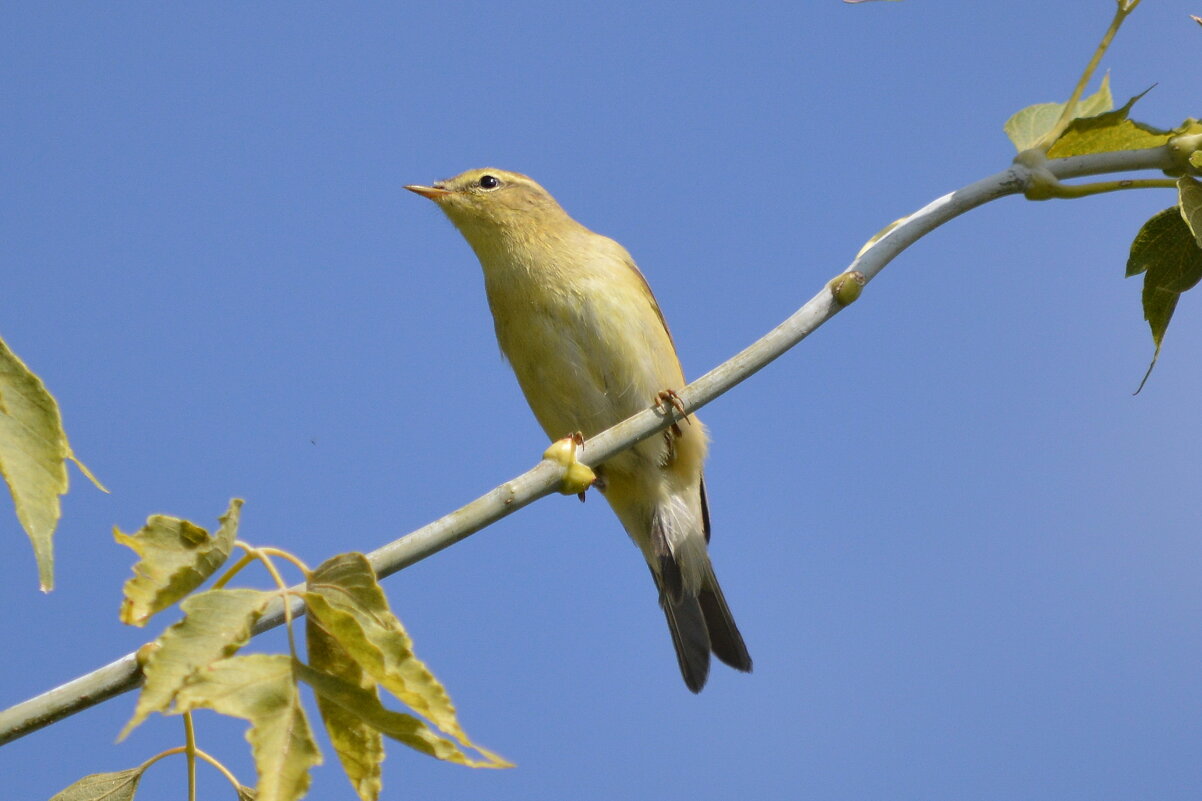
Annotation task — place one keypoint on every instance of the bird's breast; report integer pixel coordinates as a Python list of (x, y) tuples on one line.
[(588, 349)]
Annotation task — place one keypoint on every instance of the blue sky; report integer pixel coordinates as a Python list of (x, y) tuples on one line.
[(965, 559)]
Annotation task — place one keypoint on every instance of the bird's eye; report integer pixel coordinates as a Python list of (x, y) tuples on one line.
[(489, 182)]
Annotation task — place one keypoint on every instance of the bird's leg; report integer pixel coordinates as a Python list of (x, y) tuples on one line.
[(668, 397), (577, 477)]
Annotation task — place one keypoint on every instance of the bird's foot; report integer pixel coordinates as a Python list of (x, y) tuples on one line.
[(666, 398), (577, 476)]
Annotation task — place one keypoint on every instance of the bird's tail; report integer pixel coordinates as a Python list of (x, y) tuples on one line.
[(673, 534), (701, 623)]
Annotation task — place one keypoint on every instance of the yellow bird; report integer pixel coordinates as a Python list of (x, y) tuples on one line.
[(578, 323)]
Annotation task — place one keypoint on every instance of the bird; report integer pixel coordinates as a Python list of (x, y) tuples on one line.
[(579, 325)]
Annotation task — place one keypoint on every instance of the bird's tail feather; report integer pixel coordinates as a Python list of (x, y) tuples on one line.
[(690, 636), (698, 618), (700, 624), (725, 639)]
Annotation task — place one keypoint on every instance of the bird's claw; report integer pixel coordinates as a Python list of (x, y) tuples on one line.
[(666, 398), (577, 476)]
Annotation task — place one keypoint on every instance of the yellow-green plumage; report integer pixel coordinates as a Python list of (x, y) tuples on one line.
[(586, 339)]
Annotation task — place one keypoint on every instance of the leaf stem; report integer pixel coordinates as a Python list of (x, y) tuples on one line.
[(183, 749), (1122, 10), (235, 568), (295, 560), (190, 753), (263, 555), (1101, 187)]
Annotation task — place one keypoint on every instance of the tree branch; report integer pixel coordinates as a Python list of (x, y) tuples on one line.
[(544, 479)]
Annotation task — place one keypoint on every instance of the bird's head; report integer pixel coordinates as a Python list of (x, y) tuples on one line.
[(492, 200)]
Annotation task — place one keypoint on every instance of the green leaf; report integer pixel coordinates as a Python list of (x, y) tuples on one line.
[(33, 454), (344, 596), (1166, 250), (1026, 128), (216, 624), (1108, 132), (176, 557), (1167, 253), (261, 688), (359, 746), (119, 786), (1189, 195), (364, 706)]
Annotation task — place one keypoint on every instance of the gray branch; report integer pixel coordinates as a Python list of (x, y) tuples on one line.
[(544, 479)]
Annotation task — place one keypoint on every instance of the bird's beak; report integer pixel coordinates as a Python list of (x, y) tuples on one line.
[(431, 192)]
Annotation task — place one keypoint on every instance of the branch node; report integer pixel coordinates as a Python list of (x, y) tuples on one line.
[(846, 287)]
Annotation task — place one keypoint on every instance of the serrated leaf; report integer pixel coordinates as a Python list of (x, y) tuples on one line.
[(1108, 132), (261, 688), (364, 706), (359, 746), (33, 453), (118, 786), (348, 601), (216, 624), (1166, 252), (1027, 127), (176, 556), (1189, 195)]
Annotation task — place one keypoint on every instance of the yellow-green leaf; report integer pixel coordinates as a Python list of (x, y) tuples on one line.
[(1108, 132), (118, 786), (1028, 127), (261, 688), (1189, 193), (247, 793), (1167, 253), (364, 706), (33, 453), (358, 745), (349, 603), (176, 557), (1025, 127), (216, 624)]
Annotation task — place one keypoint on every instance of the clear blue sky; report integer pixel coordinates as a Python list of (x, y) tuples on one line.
[(965, 559)]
